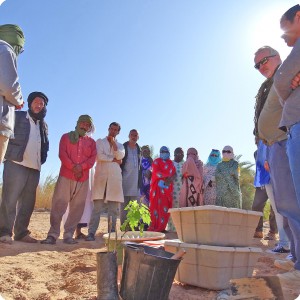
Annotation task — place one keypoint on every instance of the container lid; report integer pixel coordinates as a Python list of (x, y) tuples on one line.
[(177, 243), (215, 208)]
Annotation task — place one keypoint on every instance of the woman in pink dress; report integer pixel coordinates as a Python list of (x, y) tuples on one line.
[(191, 193)]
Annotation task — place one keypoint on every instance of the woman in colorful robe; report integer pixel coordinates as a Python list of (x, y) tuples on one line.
[(209, 181), (227, 181), (191, 193), (145, 174), (161, 190)]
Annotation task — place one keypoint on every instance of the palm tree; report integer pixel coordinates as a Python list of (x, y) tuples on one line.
[(246, 182)]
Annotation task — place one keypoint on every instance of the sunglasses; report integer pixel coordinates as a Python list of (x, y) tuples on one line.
[(226, 151), (214, 155), (263, 61), (164, 151)]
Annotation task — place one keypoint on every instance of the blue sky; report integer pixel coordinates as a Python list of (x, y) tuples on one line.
[(181, 72)]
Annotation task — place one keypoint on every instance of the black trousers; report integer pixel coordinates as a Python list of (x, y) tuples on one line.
[(259, 202)]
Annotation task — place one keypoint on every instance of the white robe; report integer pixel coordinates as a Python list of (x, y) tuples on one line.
[(108, 176)]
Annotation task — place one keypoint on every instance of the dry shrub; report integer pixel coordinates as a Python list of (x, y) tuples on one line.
[(44, 193)]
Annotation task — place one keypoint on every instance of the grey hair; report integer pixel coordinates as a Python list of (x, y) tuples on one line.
[(271, 50)]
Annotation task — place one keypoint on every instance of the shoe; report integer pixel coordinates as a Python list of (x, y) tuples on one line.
[(90, 237), (270, 237), (6, 239), (280, 249), (289, 256), (50, 240), (258, 235), (80, 236), (27, 239), (70, 241), (286, 265), (291, 276)]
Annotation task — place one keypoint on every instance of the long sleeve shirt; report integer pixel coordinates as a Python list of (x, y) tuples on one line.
[(290, 99), (82, 153)]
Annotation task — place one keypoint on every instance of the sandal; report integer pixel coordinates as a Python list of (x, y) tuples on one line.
[(50, 240), (70, 241)]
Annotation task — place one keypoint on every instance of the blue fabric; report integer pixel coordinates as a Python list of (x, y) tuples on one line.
[(214, 160), (162, 185), (262, 176), (282, 177), (164, 156)]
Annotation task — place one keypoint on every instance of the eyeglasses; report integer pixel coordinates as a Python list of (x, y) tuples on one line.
[(226, 151), (263, 61)]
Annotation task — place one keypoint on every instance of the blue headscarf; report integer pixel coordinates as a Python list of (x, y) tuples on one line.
[(214, 158), (166, 153)]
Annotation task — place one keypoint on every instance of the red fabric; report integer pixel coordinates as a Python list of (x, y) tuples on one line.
[(160, 199), (82, 153)]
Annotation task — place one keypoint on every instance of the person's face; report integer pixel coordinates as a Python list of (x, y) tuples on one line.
[(113, 130), (192, 153), (291, 30), (178, 155), (85, 125), (267, 63), (146, 152), (133, 136), (37, 105)]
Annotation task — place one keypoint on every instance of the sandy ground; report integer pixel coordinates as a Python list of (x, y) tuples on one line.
[(44, 272)]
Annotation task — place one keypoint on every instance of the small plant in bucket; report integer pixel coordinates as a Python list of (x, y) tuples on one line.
[(137, 216)]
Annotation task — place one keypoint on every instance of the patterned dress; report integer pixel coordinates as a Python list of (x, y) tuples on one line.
[(161, 199), (209, 182), (145, 173), (177, 183), (228, 185)]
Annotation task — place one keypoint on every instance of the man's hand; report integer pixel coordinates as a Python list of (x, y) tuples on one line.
[(18, 107), (118, 161), (295, 81), (77, 171), (112, 142)]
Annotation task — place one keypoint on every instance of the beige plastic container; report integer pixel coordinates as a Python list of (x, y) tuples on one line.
[(212, 267), (215, 225)]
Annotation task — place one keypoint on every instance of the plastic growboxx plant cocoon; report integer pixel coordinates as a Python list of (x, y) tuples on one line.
[(212, 267), (215, 225)]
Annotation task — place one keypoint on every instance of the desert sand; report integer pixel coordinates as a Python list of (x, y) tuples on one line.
[(68, 272)]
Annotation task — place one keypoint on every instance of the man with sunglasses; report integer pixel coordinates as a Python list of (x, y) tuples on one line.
[(289, 95), (268, 112)]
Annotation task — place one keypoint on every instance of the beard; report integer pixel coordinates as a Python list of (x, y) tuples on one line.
[(38, 116)]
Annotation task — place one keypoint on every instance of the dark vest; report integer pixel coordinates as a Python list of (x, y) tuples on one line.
[(16, 147)]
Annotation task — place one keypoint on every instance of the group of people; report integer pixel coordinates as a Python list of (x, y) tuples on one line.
[(191, 183), (124, 172), (277, 127), (23, 140)]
